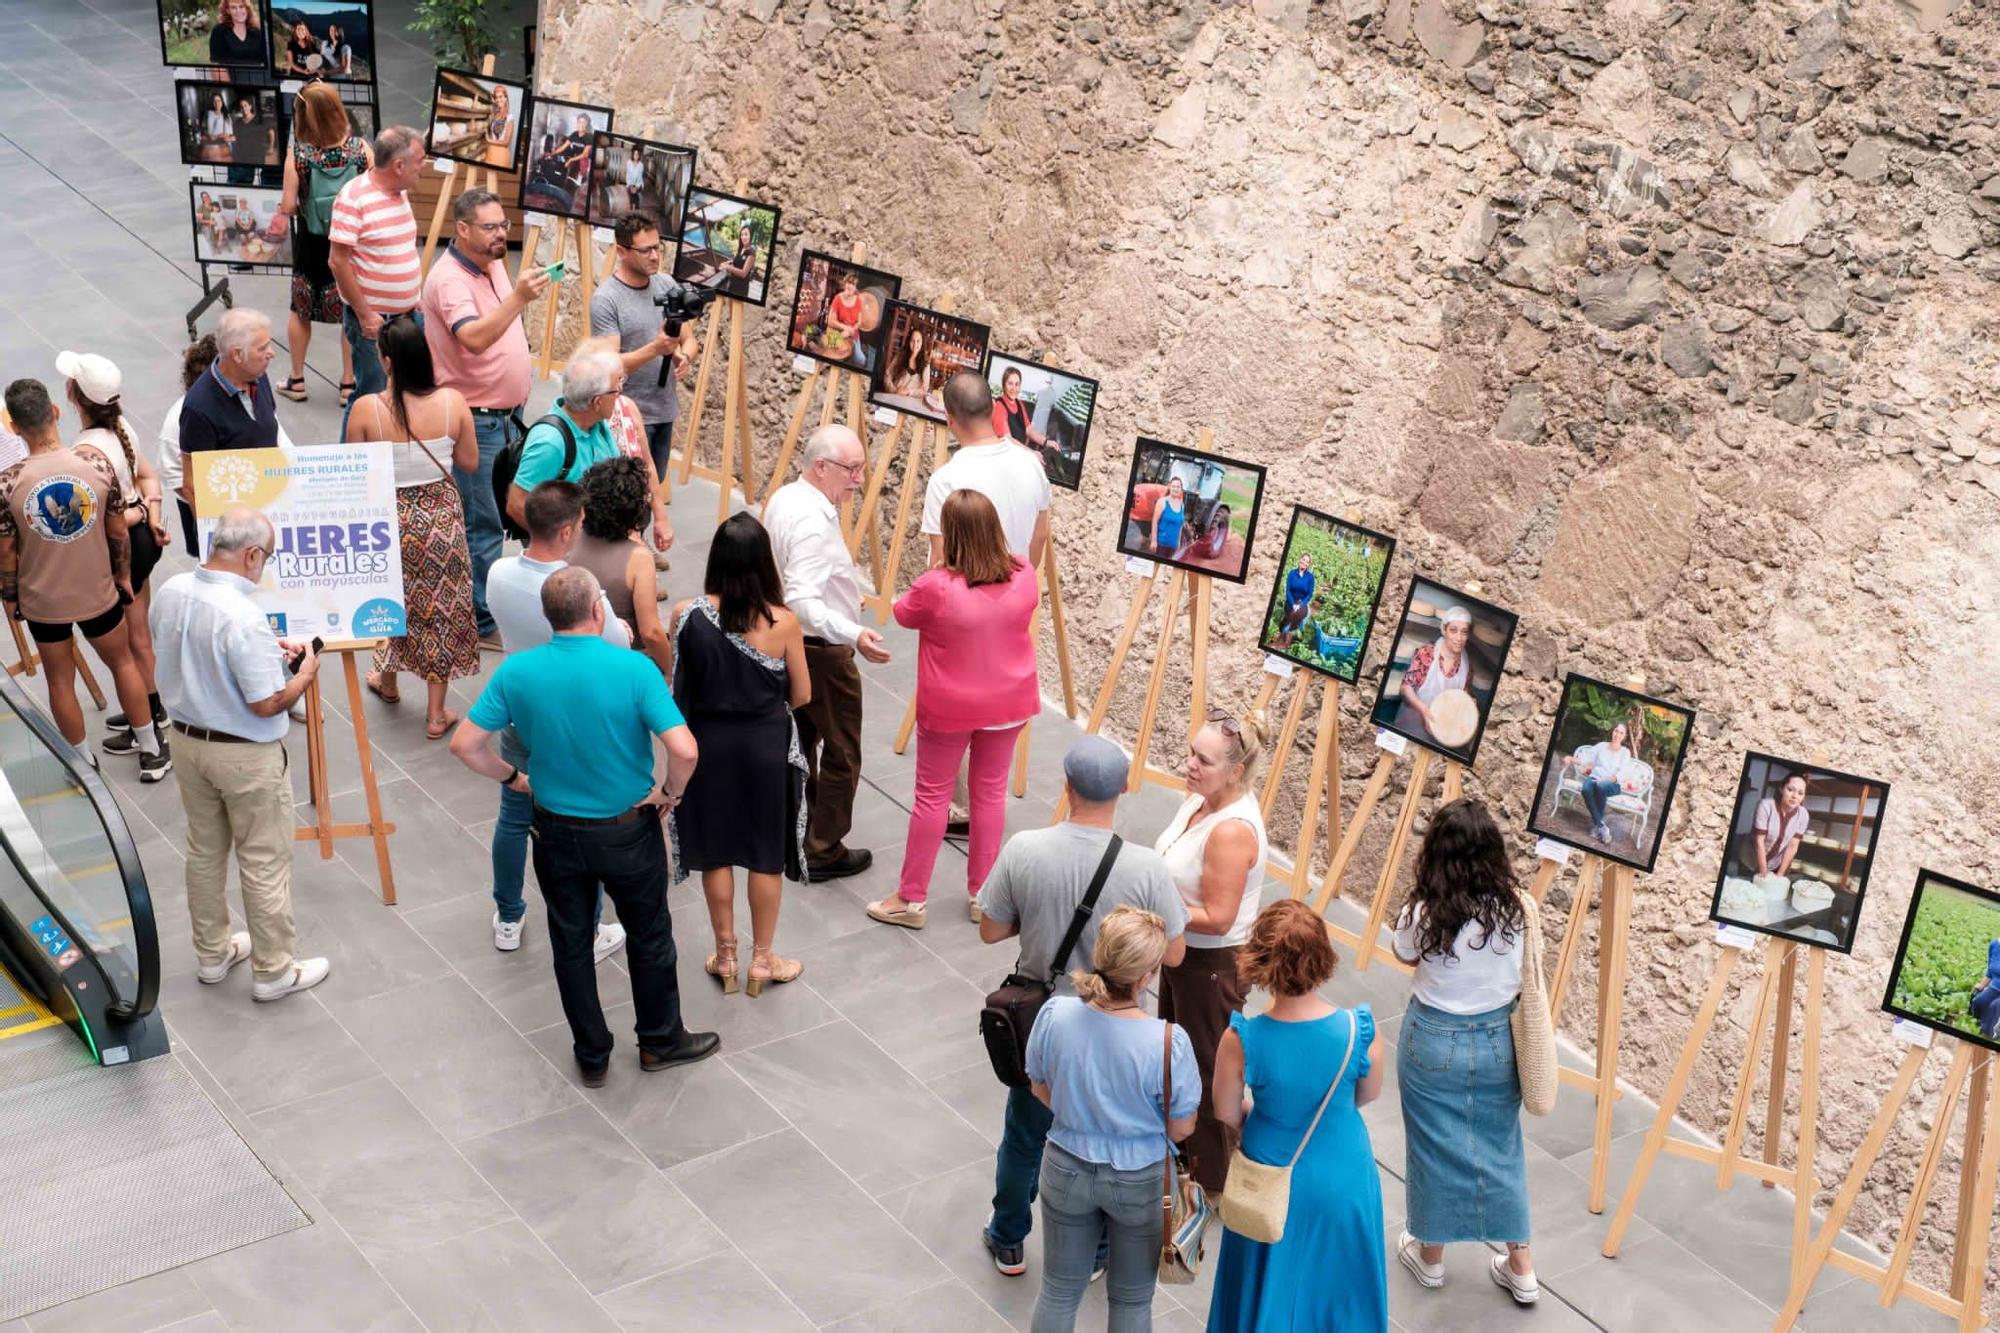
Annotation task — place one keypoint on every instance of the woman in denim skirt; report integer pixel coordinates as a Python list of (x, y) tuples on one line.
[(1467, 1174)]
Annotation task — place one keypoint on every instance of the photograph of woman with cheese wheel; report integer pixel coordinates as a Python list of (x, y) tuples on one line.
[(1444, 669), (1800, 843)]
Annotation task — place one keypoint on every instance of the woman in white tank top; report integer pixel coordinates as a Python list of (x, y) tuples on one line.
[(1214, 849)]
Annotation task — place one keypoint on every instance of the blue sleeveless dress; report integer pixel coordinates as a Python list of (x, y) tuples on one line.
[(1327, 1273)]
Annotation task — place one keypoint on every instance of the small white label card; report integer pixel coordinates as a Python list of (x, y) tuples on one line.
[(1734, 937), (884, 416), (1136, 565), (445, 166), (1911, 1034), (1548, 849), (802, 365), (1276, 666), (1390, 741), (541, 221)]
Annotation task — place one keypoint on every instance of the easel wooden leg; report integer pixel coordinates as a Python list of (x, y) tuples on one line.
[(690, 427), (906, 726), (725, 464), (746, 465), (1590, 878), (549, 304), (1020, 783), (1288, 735), (1392, 860), (1776, 956), (1616, 898), (793, 431), (1927, 1169), (1970, 1199), (1454, 781), (1850, 1188), (316, 780), (877, 479), (1804, 1177), (378, 828), (1329, 884), (437, 218), (1057, 622), (1198, 608), (1975, 1236), (885, 593), (1781, 1061), (1545, 875), (1656, 1136), (1325, 749), (1135, 613), (29, 662), (1156, 679)]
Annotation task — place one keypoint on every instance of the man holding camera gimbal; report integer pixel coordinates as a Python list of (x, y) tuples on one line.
[(628, 306)]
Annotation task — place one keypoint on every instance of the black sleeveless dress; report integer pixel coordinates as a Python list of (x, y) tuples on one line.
[(745, 805)]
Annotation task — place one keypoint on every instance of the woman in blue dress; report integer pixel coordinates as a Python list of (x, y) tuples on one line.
[(1327, 1273), (1168, 517)]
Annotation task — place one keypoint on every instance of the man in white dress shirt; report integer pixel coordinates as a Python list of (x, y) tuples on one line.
[(823, 590)]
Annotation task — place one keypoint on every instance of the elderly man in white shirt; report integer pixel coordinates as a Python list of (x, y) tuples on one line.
[(823, 590), (222, 676)]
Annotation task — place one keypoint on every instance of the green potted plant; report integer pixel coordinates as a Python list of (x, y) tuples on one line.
[(460, 30)]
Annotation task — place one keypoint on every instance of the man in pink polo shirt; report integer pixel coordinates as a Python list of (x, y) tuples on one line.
[(374, 251), (472, 321)]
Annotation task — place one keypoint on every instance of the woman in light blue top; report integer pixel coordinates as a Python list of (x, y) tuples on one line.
[(1098, 1063)]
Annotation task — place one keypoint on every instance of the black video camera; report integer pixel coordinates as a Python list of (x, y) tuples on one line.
[(681, 303)]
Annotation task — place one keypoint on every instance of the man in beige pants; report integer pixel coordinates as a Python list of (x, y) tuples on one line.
[(222, 676)]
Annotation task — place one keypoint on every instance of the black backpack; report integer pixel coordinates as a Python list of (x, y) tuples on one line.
[(1009, 1014), (508, 461)]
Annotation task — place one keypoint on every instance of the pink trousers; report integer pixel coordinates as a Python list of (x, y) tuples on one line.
[(938, 753)]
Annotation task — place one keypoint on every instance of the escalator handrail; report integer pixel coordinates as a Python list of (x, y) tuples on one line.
[(138, 897)]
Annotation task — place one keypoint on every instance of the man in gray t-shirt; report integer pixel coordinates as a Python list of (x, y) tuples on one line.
[(623, 306), (1033, 892)]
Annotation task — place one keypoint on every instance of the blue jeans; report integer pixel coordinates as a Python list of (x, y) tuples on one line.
[(660, 441), (510, 843), (1018, 1165), (1081, 1201), (1597, 794), (369, 377), (483, 535)]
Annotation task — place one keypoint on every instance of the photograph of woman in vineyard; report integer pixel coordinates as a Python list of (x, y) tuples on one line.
[(1608, 779), (1798, 850), (1947, 972), (1324, 597)]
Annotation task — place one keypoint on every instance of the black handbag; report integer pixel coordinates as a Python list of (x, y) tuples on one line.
[(1009, 1014)]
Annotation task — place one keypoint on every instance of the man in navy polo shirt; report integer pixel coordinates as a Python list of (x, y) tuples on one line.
[(231, 406), (588, 713)]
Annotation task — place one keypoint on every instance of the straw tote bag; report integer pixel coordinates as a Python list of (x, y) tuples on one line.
[(1533, 1026), (1257, 1196)]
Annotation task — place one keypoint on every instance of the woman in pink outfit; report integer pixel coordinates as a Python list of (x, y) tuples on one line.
[(975, 687)]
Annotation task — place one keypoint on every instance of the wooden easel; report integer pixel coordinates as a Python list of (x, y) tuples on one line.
[(30, 661), (1323, 777), (736, 450), (565, 230), (1774, 1007), (476, 178), (323, 830), (1197, 603), (1979, 1174)]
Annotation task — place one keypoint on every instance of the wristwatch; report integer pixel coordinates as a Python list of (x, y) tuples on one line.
[(513, 771)]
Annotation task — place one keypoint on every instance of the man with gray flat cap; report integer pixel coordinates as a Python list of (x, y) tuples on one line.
[(1033, 892)]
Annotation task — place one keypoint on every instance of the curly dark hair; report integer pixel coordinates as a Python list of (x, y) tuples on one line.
[(616, 498), (1463, 874)]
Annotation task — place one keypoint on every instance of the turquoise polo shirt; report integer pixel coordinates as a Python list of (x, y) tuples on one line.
[(588, 712), (542, 451)]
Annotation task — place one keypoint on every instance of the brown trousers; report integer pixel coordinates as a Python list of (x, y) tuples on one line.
[(1200, 994), (830, 735)]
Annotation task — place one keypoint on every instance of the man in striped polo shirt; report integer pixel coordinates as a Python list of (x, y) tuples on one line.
[(374, 252)]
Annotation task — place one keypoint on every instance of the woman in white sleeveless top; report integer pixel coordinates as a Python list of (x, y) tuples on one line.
[(1214, 849)]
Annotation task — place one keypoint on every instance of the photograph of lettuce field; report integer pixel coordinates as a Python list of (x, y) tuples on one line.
[(1947, 973)]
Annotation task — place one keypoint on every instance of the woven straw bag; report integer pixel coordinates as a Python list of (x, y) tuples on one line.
[(1534, 1027)]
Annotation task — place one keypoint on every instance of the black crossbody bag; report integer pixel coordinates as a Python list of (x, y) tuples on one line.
[(1009, 1015)]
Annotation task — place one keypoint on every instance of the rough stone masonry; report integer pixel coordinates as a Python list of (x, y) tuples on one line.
[(1672, 322)]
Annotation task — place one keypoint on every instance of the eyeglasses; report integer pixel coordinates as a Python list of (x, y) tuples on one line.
[(491, 228), (854, 470), (647, 250)]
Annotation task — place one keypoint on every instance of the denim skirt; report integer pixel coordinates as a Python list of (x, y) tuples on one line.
[(1466, 1177)]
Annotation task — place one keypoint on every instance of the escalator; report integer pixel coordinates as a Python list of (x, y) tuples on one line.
[(77, 939)]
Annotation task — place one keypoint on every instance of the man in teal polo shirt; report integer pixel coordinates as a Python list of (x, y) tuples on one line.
[(588, 713), (592, 381)]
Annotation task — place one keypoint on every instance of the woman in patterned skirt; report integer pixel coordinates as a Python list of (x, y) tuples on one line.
[(429, 429)]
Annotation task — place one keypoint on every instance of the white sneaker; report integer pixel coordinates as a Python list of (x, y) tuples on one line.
[(212, 974), (305, 974), (297, 712), (507, 934), (1412, 1255), (610, 939), (1524, 1290)]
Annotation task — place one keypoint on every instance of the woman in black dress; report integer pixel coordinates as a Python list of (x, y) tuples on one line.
[(739, 669)]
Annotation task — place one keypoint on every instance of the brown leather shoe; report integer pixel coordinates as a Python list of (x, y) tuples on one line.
[(592, 1078)]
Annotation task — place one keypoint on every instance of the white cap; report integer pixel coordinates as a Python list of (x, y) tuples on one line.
[(96, 377)]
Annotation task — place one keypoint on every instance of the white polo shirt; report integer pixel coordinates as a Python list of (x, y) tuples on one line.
[(1004, 472)]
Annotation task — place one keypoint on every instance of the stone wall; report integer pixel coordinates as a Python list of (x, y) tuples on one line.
[(1672, 322)]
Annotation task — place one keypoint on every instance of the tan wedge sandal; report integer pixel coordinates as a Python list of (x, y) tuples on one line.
[(722, 966), (767, 968)]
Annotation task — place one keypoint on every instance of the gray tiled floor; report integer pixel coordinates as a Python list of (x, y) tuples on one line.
[(832, 1168)]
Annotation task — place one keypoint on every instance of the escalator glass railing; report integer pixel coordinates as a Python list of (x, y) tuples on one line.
[(71, 878)]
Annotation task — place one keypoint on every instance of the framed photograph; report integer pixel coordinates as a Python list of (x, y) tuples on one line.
[(361, 117), (1187, 508), (229, 124), (322, 39), (238, 224), (839, 311), (1799, 847), (1324, 597), (727, 244), (628, 173), (1947, 970), (477, 120), (1444, 669), (212, 33), (1608, 778), (561, 135), (1048, 410), (920, 351)]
